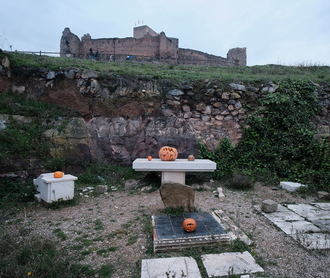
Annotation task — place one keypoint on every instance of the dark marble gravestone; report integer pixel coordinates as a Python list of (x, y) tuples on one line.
[(168, 232)]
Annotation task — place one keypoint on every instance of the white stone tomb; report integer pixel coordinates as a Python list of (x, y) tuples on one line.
[(54, 189)]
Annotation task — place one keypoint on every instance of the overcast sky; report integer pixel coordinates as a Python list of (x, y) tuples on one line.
[(286, 32)]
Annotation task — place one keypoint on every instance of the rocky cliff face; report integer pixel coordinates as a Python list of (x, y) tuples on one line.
[(123, 118)]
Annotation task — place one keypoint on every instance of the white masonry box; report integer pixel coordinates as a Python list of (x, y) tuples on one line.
[(54, 189)]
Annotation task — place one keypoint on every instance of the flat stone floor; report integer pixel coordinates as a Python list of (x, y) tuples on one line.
[(216, 265), (230, 263), (307, 223), (170, 267)]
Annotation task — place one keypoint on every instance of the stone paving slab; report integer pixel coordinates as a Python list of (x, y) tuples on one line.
[(170, 267), (290, 186), (314, 240), (325, 206), (323, 224), (234, 263), (310, 225), (291, 228), (310, 212), (283, 214)]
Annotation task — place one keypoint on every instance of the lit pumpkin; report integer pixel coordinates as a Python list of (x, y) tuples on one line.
[(167, 153), (58, 174), (149, 157), (191, 157), (189, 225)]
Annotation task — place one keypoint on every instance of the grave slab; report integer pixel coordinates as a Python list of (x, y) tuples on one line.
[(234, 263), (170, 267), (168, 233)]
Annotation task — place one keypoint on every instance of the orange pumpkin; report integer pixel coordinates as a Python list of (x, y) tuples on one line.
[(167, 153), (149, 157), (58, 174), (191, 157), (189, 225)]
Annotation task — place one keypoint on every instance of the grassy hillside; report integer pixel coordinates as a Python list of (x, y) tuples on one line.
[(254, 73)]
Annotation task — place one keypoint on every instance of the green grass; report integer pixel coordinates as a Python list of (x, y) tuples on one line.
[(60, 234), (98, 225), (131, 240), (104, 252), (253, 73), (41, 258), (101, 173), (14, 104)]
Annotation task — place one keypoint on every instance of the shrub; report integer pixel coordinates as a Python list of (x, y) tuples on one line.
[(279, 141), (240, 181), (223, 155)]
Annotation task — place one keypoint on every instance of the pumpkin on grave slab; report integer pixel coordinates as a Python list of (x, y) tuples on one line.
[(167, 153), (189, 225), (58, 174)]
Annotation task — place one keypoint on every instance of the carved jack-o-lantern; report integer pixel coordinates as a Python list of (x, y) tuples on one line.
[(58, 174), (168, 153), (189, 225)]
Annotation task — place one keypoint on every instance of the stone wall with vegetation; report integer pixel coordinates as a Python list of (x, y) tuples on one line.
[(88, 116)]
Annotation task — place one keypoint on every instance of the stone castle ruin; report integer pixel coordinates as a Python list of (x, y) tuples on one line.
[(145, 46)]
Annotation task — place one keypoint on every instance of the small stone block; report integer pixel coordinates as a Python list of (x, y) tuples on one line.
[(290, 186), (175, 195), (269, 206), (101, 188), (232, 263), (170, 267), (323, 195), (221, 196)]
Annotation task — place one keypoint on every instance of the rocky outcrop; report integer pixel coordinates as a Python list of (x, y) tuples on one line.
[(70, 139)]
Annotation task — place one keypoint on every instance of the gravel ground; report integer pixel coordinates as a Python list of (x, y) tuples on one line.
[(111, 229)]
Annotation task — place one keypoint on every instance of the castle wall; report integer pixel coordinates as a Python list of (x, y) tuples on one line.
[(168, 47), (146, 46), (194, 57)]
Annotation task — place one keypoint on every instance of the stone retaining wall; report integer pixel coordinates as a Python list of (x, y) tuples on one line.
[(128, 117)]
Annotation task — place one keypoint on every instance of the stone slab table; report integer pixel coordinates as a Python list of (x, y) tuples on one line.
[(174, 171)]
